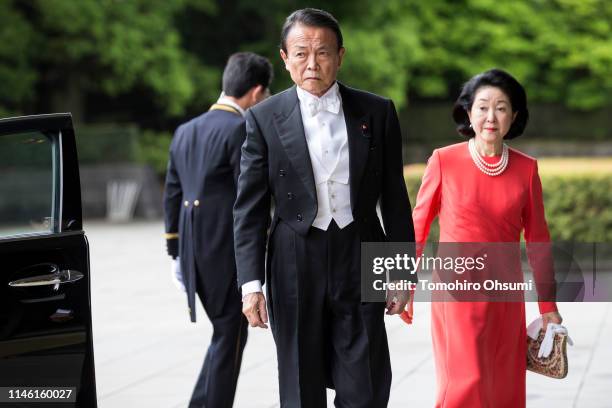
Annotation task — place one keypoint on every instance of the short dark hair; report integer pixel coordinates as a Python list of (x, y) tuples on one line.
[(243, 71), (313, 18), (498, 79)]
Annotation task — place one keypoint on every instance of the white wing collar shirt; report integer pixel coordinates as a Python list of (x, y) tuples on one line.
[(327, 140)]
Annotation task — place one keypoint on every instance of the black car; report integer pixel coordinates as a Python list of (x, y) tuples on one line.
[(46, 345)]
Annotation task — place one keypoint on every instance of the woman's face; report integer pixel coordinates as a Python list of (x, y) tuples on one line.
[(491, 114)]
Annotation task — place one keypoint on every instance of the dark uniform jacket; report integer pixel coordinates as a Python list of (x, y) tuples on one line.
[(199, 195)]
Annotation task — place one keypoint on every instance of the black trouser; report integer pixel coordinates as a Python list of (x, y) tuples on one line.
[(323, 333), (216, 385)]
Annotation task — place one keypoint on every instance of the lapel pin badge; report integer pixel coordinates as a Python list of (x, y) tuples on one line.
[(365, 131)]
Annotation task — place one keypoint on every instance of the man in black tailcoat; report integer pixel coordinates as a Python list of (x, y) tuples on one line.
[(326, 154), (200, 191)]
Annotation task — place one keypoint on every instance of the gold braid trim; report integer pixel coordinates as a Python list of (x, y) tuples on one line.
[(227, 108), (171, 235)]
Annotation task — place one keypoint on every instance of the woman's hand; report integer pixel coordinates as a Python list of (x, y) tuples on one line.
[(551, 317)]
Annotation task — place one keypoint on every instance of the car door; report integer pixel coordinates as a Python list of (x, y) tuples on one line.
[(45, 309)]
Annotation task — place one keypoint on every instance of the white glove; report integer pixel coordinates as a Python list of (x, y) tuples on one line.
[(177, 276)]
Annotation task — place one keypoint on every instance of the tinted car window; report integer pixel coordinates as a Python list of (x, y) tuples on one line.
[(27, 200)]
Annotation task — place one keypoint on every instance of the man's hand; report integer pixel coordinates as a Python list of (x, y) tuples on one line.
[(396, 301), (551, 317), (254, 308)]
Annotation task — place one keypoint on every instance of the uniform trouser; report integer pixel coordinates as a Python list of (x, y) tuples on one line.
[(324, 335), (216, 384)]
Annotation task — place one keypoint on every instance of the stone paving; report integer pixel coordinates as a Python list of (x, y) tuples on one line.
[(148, 354)]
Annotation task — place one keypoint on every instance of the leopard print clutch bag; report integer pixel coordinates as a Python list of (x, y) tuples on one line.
[(555, 365)]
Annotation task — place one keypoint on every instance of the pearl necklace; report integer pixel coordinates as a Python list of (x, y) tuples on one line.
[(490, 169)]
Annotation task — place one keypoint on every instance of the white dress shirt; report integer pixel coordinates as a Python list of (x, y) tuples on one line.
[(327, 140)]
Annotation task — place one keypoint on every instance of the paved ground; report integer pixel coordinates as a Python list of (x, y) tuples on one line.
[(148, 354)]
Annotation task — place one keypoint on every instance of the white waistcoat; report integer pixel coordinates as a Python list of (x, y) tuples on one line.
[(327, 141)]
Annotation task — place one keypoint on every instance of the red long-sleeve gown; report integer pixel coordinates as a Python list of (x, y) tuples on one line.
[(480, 347)]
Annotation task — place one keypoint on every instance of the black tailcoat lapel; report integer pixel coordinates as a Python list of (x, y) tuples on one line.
[(358, 128), (291, 134)]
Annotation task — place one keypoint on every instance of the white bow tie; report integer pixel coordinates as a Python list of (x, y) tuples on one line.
[(330, 103)]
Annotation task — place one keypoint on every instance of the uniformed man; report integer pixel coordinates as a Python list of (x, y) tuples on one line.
[(200, 191)]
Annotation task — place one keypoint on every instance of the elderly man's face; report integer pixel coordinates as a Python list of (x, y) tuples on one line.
[(312, 58)]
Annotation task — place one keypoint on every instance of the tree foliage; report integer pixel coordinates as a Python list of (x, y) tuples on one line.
[(106, 46), (170, 54), (561, 50)]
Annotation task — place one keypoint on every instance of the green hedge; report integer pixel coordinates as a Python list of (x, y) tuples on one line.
[(578, 208)]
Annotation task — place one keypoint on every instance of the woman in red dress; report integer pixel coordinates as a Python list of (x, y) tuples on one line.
[(484, 191)]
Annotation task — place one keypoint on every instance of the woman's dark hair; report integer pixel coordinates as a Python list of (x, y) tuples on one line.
[(243, 71), (313, 18), (498, 79)]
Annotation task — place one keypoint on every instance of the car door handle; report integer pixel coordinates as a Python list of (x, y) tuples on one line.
[(51, 279)]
